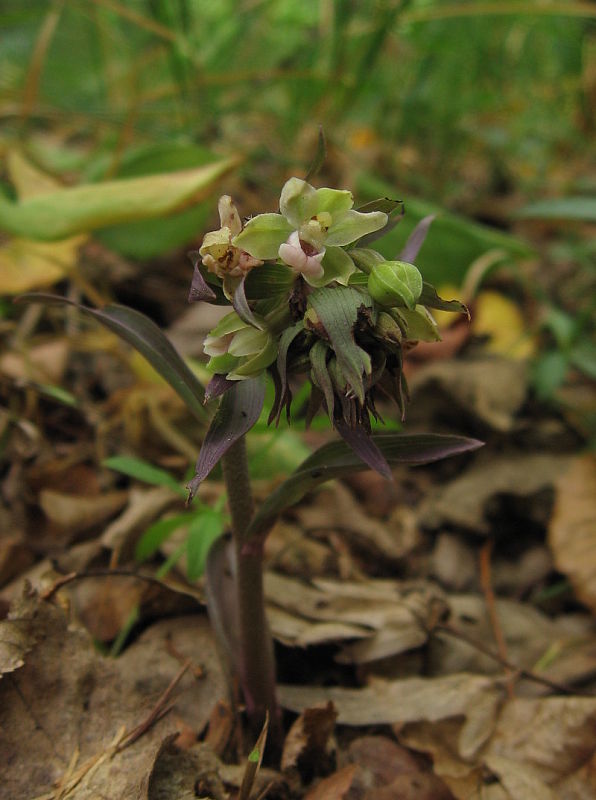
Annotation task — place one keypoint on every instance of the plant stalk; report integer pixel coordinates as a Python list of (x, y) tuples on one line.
[(256, 667)]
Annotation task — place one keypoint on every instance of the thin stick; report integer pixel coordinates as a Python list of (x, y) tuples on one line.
[(159, 710), (491, 606), (524, 673)]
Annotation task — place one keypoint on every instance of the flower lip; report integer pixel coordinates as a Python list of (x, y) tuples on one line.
[(303, 257)]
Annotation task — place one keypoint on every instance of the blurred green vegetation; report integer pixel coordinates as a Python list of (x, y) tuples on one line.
[(482, 109)]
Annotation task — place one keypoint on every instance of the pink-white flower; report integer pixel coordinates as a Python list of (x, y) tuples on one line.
[(302, 256)]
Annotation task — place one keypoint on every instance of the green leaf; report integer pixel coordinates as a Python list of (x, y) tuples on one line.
[(142, 471), (145, 336), (549, 372), (431, 299), (337, 311), (79, 209), (268, 280), (419, 324), (205, 528), (146, 239), (582, 209), (337, 459), (156, 535)]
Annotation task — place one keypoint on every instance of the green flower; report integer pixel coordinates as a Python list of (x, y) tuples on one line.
[(238, 350), (309, 233)]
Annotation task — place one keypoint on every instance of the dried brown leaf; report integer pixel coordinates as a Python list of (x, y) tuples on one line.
[(17, 634), (389, 615), (306, 746), (69, 706), (572, 530), (463, 502), (409, 700), (335, 787), (73, 514), (490, 389)]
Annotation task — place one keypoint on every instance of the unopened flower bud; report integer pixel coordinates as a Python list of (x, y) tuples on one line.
[(395, 283)]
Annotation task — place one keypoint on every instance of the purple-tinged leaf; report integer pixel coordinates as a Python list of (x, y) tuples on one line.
[(320, 374), (217, 386), (431, 299), (243, 310), (238, 411), (221, 593), (416, 239), (145, 336), (363, 445), (320, 156), (337, 459), (285, 341), (199, 288)]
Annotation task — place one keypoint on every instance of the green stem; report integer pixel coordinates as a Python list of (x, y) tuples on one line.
[(256, 667)]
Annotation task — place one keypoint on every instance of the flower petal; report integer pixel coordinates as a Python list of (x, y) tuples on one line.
[(351, 225), (335, 201), (262, 235), (228, 214), (298, 201)]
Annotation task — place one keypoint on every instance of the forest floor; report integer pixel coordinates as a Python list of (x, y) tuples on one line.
[(435, 636)]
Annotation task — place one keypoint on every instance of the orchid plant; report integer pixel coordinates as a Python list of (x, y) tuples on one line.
[(311, 300)]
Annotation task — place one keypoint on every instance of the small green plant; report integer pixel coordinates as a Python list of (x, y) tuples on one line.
[(311, 302), (203, 524)]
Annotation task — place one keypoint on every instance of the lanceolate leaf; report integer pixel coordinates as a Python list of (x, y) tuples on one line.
[(416, 239), (146, 337), (365, 448), (243, 310), (320, 375), (337, 312), (238, 411), (217, 386), (199, 288), (77, 209), (337, 459), (431, 299), (319, 158)]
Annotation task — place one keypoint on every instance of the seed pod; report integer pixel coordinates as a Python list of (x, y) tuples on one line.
[(395, 283)]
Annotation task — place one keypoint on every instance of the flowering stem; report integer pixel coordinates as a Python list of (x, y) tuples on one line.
[(256, 667)]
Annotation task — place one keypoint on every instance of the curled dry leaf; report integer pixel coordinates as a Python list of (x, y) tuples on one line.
[(335, 786), (388, 771), (306, 747), (409, 700), (17, 634), (72, 514), (572, 530), (526, 478), (492, 390), (384, 617)]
